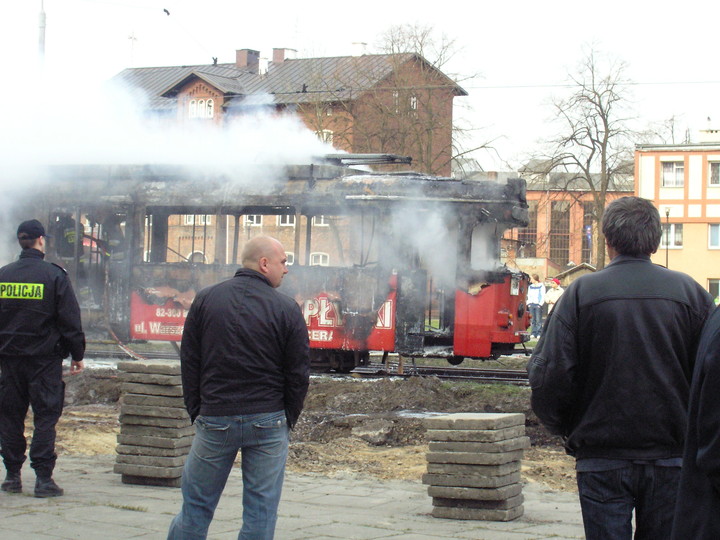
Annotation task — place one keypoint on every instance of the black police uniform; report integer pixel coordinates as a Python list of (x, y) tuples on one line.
[(39, 326)]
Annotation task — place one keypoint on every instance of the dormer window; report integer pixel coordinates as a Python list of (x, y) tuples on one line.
[(201, 108)]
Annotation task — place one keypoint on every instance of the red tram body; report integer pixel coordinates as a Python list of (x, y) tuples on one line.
[(390, 262)]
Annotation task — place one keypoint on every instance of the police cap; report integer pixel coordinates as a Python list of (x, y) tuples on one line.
[(31, 229)]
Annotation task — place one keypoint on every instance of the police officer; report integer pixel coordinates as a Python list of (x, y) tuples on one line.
[(39, 326)]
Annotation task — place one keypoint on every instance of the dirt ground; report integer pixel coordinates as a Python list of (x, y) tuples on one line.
[(363, 426)]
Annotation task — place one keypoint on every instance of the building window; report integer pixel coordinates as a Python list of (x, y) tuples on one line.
[(319, 259), (527, 237), (672, 235), (413, 103), (673, 173), (715, 173), (560, 232), (320, 221), (325, 135), (253, 220), (201, 108), (714, 236), (290, 258), (286, 220), (714, 289), (191, 219)]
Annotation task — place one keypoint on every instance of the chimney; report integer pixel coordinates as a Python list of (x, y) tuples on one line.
[(247, 59), (280, 55)]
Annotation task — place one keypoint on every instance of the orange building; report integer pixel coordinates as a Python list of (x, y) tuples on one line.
[(562, 229), (683, 180)]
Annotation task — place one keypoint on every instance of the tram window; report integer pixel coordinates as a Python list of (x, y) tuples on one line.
[(253, 220), (319, 259), (290, 258), (286, 220), (320, 221), (484, 253), (191, 219), (197, 257)]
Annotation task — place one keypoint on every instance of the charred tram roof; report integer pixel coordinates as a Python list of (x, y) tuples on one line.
[(300, 187)]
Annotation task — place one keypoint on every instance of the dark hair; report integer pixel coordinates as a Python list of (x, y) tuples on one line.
[(27, 243), (631, 226)]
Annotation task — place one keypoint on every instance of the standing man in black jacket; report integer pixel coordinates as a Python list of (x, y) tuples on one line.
[(39, 326), (611, 375), (697, 514), (245, 373)]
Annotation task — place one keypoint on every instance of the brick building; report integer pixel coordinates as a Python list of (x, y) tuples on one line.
[(387, 103), (562, 227), (383, 103)]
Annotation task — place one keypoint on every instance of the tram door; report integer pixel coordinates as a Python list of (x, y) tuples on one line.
[(84, 242)]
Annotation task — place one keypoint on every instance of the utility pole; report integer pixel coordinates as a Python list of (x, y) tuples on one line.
[(667, 236), (132, 39), (41, 38)]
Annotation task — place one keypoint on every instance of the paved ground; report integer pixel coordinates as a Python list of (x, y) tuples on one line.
[(97, 505)]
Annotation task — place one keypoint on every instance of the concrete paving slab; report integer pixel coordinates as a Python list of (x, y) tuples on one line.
[(97, 505)]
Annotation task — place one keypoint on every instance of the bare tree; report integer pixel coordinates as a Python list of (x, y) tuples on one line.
[(438, 49), (399, 101), (594, 150), (664, 132)]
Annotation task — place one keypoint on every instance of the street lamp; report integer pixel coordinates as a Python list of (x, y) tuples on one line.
[(667, 236)]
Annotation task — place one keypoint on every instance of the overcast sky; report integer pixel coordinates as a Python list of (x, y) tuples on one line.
[(522, 50)]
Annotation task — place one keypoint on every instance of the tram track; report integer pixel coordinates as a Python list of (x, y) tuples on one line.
[(372, 370), (507, 376)]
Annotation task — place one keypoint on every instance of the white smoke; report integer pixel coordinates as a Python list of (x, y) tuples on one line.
[(433, 235), (65, 117), (105, 124)]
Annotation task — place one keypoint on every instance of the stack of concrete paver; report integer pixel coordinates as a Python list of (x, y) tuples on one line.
[(474, 465), (155, 429)]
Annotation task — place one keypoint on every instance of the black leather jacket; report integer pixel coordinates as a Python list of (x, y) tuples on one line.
[(39, 313), (612, 370), (244, 350)]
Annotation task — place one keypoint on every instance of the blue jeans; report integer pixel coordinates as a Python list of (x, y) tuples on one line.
[(535, 319), (263, 441), (607, 499)]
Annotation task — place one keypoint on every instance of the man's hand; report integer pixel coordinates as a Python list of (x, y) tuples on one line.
[(76, 366)]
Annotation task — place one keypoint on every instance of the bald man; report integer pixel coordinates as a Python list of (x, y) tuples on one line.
[(245, 373)]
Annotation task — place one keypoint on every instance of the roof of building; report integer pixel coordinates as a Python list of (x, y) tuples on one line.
[(293, 81), (683, 147), (563, 181), (576, 268)]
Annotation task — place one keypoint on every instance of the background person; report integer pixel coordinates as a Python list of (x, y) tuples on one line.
[(611, 375), (553, 294), (245, 373), (535, 301), (39, 326)]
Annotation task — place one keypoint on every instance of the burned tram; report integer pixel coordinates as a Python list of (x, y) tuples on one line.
[(379, 261)]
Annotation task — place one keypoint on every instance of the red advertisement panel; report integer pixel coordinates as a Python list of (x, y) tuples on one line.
[(156, 322), (329, 329)]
